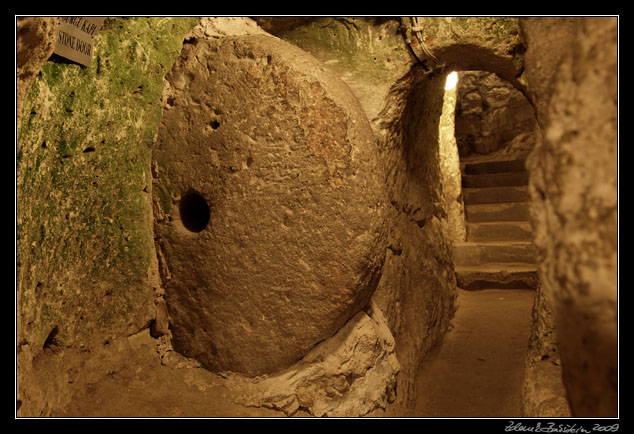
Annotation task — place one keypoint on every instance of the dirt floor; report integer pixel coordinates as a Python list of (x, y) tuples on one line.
[(476, 372), (478, 369), (147, 389)]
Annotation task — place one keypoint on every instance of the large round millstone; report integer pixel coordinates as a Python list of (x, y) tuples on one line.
[(270, 204)]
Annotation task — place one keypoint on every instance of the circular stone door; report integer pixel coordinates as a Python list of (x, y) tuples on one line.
[(269, 204)]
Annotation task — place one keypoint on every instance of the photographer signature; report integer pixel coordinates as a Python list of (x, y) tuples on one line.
[(551, 427)]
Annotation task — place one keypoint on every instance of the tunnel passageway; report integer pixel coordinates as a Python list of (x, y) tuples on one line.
[(227, 217), (478, 369)]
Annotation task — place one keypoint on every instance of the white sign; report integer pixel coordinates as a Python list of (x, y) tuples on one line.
[(75, 38)]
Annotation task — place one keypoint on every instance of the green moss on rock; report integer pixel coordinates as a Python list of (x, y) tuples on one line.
[(84, 225), (358, 45)]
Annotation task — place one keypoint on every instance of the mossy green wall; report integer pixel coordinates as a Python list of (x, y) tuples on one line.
[(83, 216)]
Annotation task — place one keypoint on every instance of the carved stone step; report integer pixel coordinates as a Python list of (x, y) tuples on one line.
[(498, 276), (495, 212), (474, 254), (495, 195), (495, 167), (499, 231), (507, 179)]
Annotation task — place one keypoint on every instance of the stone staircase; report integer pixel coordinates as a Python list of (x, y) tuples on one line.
[(498, 252)]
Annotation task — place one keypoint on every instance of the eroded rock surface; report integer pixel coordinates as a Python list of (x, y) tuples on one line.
[(348, 375), (572, 67), (490, 113), (269, 203), (34, 45), (84, 220)]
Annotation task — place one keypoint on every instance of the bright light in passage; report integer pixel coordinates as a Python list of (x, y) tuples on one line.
[(452, 79)]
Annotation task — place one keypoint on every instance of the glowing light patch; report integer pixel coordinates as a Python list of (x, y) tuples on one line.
[(452, 79)]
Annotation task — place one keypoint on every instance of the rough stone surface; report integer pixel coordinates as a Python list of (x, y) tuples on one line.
[(475, 43), (491, 195), (543, 393), (282, 155), (498, 275), (34, 45), (499, 231), (498, 212), (348, 375), (368, 53), (541, 60), (83, 283), (472, 254), (417, 287), (490, 113), (84, 222), (132, 377), (404, 104), (572, 69)]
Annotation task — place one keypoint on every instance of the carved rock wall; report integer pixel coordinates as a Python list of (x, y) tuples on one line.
[(404, 103), (417, 290), (572, 71), (490, 113), (84, 219), (35, 44)]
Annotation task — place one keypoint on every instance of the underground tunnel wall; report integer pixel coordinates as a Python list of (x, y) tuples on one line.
[(490, 115), (89, 152), (84, 243), (572, 72), (62, 260)]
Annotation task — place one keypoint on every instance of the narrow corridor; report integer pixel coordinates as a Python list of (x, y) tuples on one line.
[(478, 369)]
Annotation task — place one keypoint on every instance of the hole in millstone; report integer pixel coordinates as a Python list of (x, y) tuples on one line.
[(194, 212), (214, 124)]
